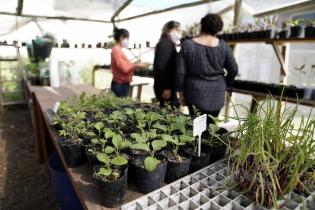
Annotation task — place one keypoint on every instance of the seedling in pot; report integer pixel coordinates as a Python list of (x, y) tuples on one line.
[(150, 162), (118, 144), (177, 142), (107, 170)]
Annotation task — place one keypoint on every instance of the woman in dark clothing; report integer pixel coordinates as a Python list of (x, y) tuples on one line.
[(164, 64), (200, 75)]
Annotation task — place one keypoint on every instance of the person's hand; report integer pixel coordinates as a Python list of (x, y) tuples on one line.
[(181, 99), (166, 95), (142, 65)]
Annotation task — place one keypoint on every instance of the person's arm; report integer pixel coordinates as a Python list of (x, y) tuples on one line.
[(163, 53), (230, 65), (180, 74), (122, 61)]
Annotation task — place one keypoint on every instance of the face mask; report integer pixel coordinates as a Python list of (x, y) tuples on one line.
[(175, 36), (125, 43)]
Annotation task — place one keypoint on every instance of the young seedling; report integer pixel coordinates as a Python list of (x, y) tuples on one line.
[(150, 162), (177, 142), (106, 169)]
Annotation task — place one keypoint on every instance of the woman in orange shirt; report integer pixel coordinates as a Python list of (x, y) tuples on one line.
[(122, 67)]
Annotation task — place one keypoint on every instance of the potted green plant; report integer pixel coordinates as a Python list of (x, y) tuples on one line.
[(32, 71), (150, 168), (178, 163), (71, 143), (296, 30), (111, 180), (310, 29), (285, 32)]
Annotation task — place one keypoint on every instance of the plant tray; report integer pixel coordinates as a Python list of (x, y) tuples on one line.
[(207, 189)]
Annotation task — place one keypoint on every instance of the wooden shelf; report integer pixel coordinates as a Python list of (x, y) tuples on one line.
[(255, 94), (8, 59), (270, 41)]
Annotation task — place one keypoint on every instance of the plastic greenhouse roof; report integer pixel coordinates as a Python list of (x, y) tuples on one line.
[(16, 13), (103, 10)]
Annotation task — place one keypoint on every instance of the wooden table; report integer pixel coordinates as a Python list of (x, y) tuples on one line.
[(44, 98)]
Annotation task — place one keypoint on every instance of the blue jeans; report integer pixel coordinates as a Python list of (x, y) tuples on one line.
[(120, 89)]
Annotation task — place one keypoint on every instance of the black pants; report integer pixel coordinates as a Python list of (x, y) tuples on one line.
[(120, 89), (209, 119)]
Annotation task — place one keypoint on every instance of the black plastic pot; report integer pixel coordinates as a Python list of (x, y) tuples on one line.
[(149, 181), (217, 153), (199, 162), (34, 80), (112, 191), (284, 34), (309, 31), (296, 32), (92, 159), (176, 169), (72, 153)]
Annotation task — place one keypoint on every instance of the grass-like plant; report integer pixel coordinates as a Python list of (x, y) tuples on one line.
[(273, 157)]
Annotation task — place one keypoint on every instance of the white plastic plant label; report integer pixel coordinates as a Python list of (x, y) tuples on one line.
[(200, 125), (56, 107)]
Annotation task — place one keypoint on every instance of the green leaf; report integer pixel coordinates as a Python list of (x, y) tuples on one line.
[(186, 138), (117, 140), (108, 133), (95, 141), (300, 68), (109, 150), (141, 146), (103, 157), (151, 134), (99, 126), (138, 137), (126, 144), (152, 116), (119, 161), (128, 111), (160, 127), (158, 144), (214, 128), (216, 120), (150, 163), (105, 171), (90, 133)]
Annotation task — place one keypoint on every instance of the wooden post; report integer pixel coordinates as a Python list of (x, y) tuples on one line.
[(237, 11)]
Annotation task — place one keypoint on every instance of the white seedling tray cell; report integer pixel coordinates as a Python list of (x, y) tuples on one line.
[(206, 190)]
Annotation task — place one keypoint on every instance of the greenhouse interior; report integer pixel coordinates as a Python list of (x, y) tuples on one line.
[(152, 105)]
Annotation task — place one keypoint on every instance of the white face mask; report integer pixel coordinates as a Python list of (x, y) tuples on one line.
[(125, 43), (175, 36)]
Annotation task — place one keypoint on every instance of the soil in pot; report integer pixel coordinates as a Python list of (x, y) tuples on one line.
[(296, 32), (149, 181), (72, 152), (112, 191), (176, 167)]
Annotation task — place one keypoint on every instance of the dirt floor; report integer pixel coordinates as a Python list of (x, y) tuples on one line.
[(24, 183)]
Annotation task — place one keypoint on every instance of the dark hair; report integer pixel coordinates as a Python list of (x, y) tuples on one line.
[(168, 27), (211, 24), (120, 32)]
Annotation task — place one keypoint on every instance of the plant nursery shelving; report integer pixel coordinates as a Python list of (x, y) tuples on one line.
[(128, 146)]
